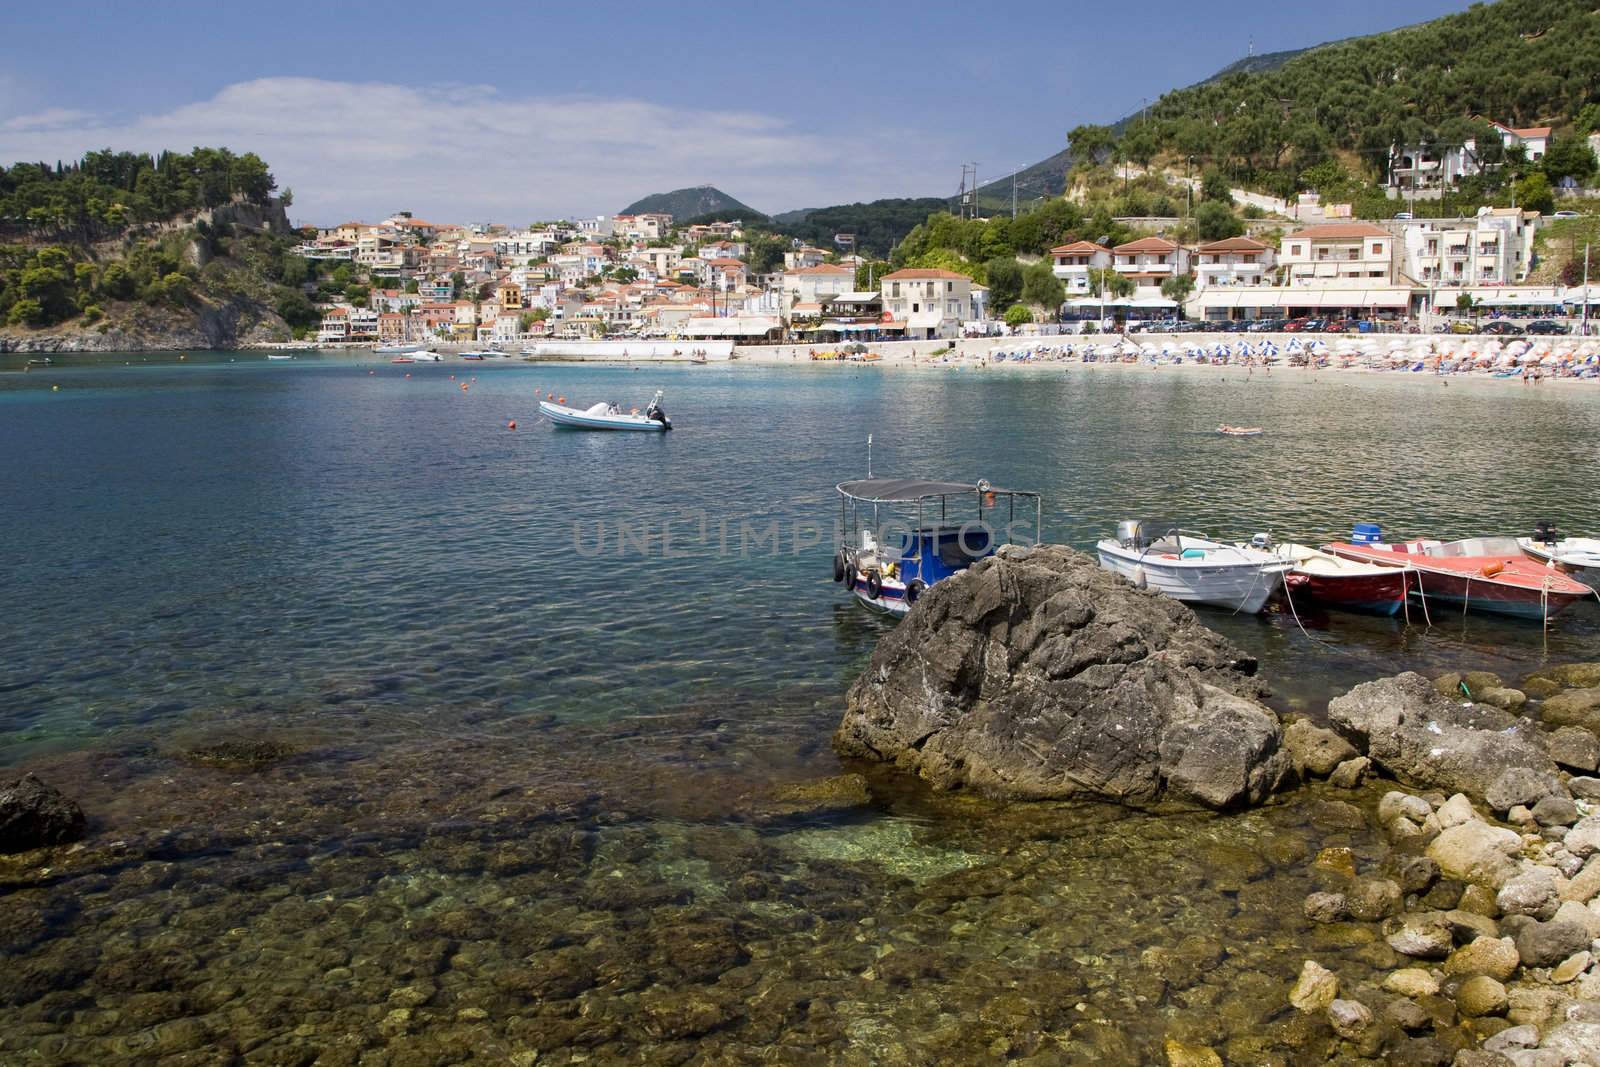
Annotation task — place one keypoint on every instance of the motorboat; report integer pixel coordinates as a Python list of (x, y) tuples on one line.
[(41, 361), (276, 355), (487, 353), (1331, 581), (1488, 574), (1577, 556), (426, 357), (888, 567), (1191, 567), (605, 416), (398, 350), (1239, 431)]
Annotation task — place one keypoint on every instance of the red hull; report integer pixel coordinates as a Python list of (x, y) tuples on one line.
[(1376, 594), (1503, 585)]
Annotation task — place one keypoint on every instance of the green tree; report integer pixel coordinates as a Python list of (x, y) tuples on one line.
[(1178, 288), (293, 307), (1018, 315), (868, 274), (1534, 193), (1215, 221), (1041, 287), (1111, 282), (1004, 281), (1088, 143), (1215, 189), (1569, 157), (27, 312)]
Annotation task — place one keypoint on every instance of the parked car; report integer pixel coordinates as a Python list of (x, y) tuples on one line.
[(1565, 215), (1404, 216), (1459, 326), (1502, 328), (1546, 326)]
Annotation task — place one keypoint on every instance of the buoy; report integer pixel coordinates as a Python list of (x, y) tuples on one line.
[(512, 425), (452, 377), (561, 400), (408, 374), (463, 387), (372, 372), (1489, 570), (55, 388)]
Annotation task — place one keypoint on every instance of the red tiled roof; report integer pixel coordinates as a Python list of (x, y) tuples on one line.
[(1088, 247), (1146, 244), (1233, 244), (916, 273), (823, 268), (1340, 229)]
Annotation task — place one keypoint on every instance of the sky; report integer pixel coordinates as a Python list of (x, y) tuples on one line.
[(538, 110)]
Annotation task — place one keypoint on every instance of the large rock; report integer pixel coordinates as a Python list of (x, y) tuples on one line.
[(1315, 989), (1037, 674), (34, 815), (1574, 748), (1430, 741), (1315, 750), (1496, 957), (1477, 852), (1575, 707), (1547, 944)]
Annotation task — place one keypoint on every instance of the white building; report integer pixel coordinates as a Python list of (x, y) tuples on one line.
[(809, 287), (1072, 264), (1233, 261), (932, 303), (1425, 168), (1534, 140), (1150, 261), (1341, 252), (1494, 248)]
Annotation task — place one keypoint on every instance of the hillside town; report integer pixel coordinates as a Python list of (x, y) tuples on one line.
[(649, 275)]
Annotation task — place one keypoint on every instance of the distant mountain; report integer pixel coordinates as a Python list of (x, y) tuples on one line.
[(691, 203), (878, 226)]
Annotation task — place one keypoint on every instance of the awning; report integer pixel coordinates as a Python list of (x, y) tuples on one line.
[(732, 326), (1153, 302)]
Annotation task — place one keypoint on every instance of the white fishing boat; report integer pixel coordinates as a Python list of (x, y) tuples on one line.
[(397, 350), (279, 355), (1577, 556), (608, 416), (426, 357), (1191, 567)]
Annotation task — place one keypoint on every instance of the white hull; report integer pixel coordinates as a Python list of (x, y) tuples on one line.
[(1580, 556), (1242, 583), (585, 420), (426, 357), (397, 350)]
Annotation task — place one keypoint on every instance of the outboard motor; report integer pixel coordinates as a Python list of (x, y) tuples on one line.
[(654, 412), (1262, 541), (1128, 533), (1366, 533), (1544, 533)]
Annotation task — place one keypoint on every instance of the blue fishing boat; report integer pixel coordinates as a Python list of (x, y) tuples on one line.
[(932, 543)]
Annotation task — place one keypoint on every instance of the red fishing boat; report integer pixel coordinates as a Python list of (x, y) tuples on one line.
[(1489, 574), (1345, 584)]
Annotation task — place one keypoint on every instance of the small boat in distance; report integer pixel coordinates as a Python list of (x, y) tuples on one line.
[(889, 579), (41, 361), (1577, 556), (1239, 431), (278, 355), (398, 350), (426, 357), (1191, 567), (487, 353), (607, 416), (1488, 574)]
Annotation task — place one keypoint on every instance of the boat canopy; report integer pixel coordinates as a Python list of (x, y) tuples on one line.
[(907, 490)]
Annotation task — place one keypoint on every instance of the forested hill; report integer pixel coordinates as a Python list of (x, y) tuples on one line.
[(1521, 62), (123, 249), (692, 203)]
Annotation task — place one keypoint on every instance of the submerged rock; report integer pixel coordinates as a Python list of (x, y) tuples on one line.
[(1428, 740), (35, 815), (238, 755), (1037, 674)]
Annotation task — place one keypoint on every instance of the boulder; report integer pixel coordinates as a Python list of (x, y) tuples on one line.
[(1476, 852), (35, 815), (1501, 697), (1575, 675), (1496, 957), (1422, 934), (1327, 907), (1575, 707), (1315, 989), (1584, 840), (1536, 892), (1585, 885), (1574, 748), (1584, 787), (1571, 967), (1036, 674), (1523, 785), (1181, 1055), (1512, 1037), (1412, 982), (1481, 995), (1574, 1042), (1555, 811), (1397, 805), (1351, 773), (1349, 1018), (1547, 944), (1314, 750), (1372, 899), (1427, 740)]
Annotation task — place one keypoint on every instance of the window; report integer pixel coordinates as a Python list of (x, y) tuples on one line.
[(949, 287), (1377, 249)]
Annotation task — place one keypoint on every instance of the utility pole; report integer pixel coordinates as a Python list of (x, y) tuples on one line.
[(1013, 195), (1584, 329)]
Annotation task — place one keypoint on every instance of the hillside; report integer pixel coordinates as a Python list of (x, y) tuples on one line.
[(878, 225), (692, 203), (123, 250)]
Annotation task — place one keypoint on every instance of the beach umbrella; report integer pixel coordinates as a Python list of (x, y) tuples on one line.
[(1269, 348), (1294, 345)]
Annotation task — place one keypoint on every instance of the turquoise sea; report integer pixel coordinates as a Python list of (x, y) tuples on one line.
[(518, 687)]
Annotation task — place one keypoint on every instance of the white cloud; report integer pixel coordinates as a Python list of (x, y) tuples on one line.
[(466, 153)]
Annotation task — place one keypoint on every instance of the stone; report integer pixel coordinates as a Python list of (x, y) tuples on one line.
[(1571, 967), (1476, 852), (35, 815), (1415, 873), (1349, 1018), (1448, 684), (1474, 1057), (1530, 1006), (1428, 740), (1327, 907), (1037, 674), (1584, 787), (1555, 811), (1538, 687), (1545, 944), (1577, 1042), (1466, 926), (1315, 750), (1523, 785), (1501, 697), (1512, 1037), (1584, 840), (1336, 859), (1477, 681), (1315, 989), (1584, 917), (1479, 900), (1412, 982), (1575, 707), (1457, 810), (1181, 1055), (1585, 885), (1575, 675), (1396, 804), (1496, 957), (1407, 1016), (1522, 815), (1535, 892), (1372, 899), (1351, 773), (1424, 935), (1481, 995), (1574, 748)]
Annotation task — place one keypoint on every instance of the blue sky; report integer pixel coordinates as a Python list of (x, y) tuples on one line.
[(520, 111)]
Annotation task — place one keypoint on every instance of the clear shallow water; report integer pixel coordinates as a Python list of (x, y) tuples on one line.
[(522, 770)]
